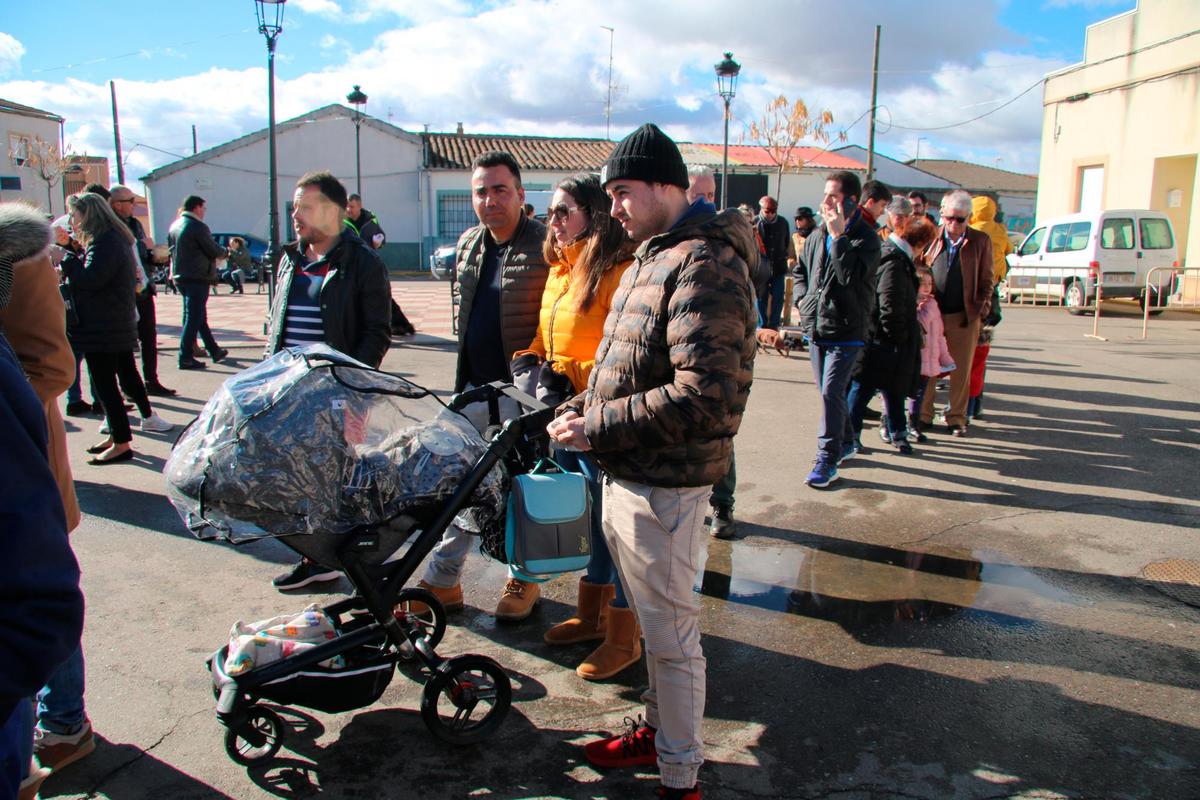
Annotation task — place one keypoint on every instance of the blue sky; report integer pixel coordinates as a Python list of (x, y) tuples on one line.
[(541, 66)]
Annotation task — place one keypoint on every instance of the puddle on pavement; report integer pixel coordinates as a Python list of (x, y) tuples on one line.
[(860, 585)]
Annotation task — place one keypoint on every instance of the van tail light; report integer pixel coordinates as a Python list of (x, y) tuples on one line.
[(1093, 270), (1174, 265)]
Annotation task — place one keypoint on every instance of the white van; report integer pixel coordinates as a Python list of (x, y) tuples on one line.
[(1064, 259)]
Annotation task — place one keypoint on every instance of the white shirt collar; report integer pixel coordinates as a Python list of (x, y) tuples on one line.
[(903, 245)]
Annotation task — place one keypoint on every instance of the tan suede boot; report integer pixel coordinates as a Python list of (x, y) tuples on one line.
[(622, 647), (591, 614)]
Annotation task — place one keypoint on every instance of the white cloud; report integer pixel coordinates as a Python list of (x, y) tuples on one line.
[(541, 66), (11, 51)]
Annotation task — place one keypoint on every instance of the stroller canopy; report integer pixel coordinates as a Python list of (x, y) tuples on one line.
[(312, 441)]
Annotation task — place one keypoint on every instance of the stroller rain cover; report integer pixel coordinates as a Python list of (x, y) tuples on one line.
[(312, 441)]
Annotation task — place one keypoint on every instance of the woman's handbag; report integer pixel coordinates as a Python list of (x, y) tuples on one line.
[(549, 525)]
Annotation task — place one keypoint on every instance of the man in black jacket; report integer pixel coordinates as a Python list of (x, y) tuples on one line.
[(776, 238), (840, 259), (122, 200), (332, 288), (193, 268)]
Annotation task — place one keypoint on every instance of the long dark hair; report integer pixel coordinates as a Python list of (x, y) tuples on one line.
[(607, 245)]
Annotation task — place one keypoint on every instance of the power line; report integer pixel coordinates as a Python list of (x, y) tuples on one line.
[(1005, 104)]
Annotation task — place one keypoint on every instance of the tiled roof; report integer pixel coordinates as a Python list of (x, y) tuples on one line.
[(16, 108), (457, 151), (755, 156), (977, 177)]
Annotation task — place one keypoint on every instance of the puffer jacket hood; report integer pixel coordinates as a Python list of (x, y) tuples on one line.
[(983, 218), (24, 232), (983, 209), (729, 225)]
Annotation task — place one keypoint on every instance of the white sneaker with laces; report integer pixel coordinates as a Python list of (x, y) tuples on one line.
[(155, 424)]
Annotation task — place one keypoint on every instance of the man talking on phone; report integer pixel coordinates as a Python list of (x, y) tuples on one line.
[(840, 260)]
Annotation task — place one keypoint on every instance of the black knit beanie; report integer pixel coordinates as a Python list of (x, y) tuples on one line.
[(649, 155)]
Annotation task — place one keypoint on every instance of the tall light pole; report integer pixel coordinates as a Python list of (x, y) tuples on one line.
[(357, 99), (919, 140), (270, 25), (608, 102), (727, 75)]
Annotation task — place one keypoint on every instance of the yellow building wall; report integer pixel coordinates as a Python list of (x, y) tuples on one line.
[(1140, 112)]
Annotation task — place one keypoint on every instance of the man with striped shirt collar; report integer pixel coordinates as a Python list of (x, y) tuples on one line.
[(332, 288)]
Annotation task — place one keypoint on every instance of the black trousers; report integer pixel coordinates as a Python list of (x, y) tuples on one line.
[(148, 336), (104, 369)]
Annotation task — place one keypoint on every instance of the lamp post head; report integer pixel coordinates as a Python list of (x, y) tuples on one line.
[(270, 17), (727, 75), (357, 99)]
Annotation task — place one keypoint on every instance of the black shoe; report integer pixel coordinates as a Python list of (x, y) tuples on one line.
[(78, 408), (156, 389), (303, 574), (723, 526), (192, 363), (98, 407), (219, 355), (903, 447)]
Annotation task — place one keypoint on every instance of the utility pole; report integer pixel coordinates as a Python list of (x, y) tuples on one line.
[(608, 103), (874, 95), (193, 140), (112, 88)]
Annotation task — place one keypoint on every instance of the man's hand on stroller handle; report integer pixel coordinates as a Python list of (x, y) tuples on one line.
[(567, 430)]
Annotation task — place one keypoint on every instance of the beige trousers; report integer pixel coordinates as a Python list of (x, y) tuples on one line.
[(658, 541), (961, 341)]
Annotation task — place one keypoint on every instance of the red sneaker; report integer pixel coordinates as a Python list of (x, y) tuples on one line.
[(669, 793), (633, 748)]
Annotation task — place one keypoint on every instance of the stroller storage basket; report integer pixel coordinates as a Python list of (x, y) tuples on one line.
[(360, 682)]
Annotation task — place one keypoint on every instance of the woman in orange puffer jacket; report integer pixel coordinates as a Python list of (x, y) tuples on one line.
[(588, 252)]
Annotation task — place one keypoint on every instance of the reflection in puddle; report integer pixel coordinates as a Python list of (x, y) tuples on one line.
[(859, 585)]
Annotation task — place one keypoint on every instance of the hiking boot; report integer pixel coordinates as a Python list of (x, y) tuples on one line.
[(822, 475), (671, 793), (517, 600), (633, 748), (622, 647), (591, 616), (303, 574), (56, 750), (723, 526), (451, 598), (155, 424)]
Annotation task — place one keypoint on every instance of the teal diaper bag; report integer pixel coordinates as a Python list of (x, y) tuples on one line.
[(549, 526)]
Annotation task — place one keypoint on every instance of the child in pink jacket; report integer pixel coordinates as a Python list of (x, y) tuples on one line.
[(935, 353)]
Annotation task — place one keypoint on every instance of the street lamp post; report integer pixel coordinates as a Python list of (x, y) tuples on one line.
[(727, 75), (270, 25), (357, 99)]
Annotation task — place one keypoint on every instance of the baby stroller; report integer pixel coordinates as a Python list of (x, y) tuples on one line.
[(344, 464)]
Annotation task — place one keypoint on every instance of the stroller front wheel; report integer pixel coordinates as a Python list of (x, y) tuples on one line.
[(466, 700), (420, 610), (257, 739)]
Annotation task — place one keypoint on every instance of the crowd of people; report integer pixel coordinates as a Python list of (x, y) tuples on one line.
[(638, 311)]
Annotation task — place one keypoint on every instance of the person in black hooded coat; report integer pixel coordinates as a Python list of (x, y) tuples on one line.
[(890, 361)]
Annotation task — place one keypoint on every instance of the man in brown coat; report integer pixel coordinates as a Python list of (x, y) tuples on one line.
[(663, 403), (961, 261)]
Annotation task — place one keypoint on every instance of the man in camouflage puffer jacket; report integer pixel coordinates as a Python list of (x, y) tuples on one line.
[(665, 398)]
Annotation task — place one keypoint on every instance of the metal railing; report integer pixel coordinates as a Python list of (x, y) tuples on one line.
[(1184, 292)]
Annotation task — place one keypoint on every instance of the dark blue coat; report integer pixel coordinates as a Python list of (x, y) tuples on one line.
[(102, 283)]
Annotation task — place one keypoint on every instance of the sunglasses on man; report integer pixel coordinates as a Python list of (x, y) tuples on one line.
[(951, 218)]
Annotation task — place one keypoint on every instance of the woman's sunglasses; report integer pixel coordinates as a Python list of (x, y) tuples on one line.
[(560, 212)]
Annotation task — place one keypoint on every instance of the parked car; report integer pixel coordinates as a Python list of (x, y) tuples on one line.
[(1067, 257), (257, 248), (441, 263)]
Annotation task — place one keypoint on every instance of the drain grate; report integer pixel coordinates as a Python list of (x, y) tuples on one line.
[(1178, 578)]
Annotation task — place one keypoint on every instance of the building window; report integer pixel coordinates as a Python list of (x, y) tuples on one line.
[(10, 184), (1091, 189), (455, 215), (18, 148)]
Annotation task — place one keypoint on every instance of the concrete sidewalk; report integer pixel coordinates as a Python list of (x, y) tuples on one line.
[(965, 622)]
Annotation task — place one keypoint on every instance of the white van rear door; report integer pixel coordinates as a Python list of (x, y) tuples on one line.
[(1116, 251)]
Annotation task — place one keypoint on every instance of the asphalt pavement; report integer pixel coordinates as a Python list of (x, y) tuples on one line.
[(994, 616)]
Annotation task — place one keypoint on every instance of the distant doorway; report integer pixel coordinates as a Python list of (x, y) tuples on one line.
[(1171, 192)]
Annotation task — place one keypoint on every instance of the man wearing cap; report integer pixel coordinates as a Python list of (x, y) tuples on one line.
[(664, 401)]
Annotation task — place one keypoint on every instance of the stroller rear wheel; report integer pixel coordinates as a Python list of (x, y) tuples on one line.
[(257, 739), (466, 700), (422, 610)]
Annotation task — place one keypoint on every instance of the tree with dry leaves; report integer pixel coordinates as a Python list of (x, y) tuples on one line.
[(45, 159), (781, 129)]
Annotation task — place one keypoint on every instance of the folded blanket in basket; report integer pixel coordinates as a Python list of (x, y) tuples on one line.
[(278, 637)]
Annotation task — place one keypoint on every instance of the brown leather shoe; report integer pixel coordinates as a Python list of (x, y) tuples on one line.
[(451, 598), (622, 647), (591, 614), (517, 600)]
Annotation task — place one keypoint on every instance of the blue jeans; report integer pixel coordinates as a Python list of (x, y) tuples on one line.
[(601, 568), (832, 365), (195, 319), (770, 305), (60, 702), (893, 410)]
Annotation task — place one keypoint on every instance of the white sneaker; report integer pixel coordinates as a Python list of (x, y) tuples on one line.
[(154, 424)]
